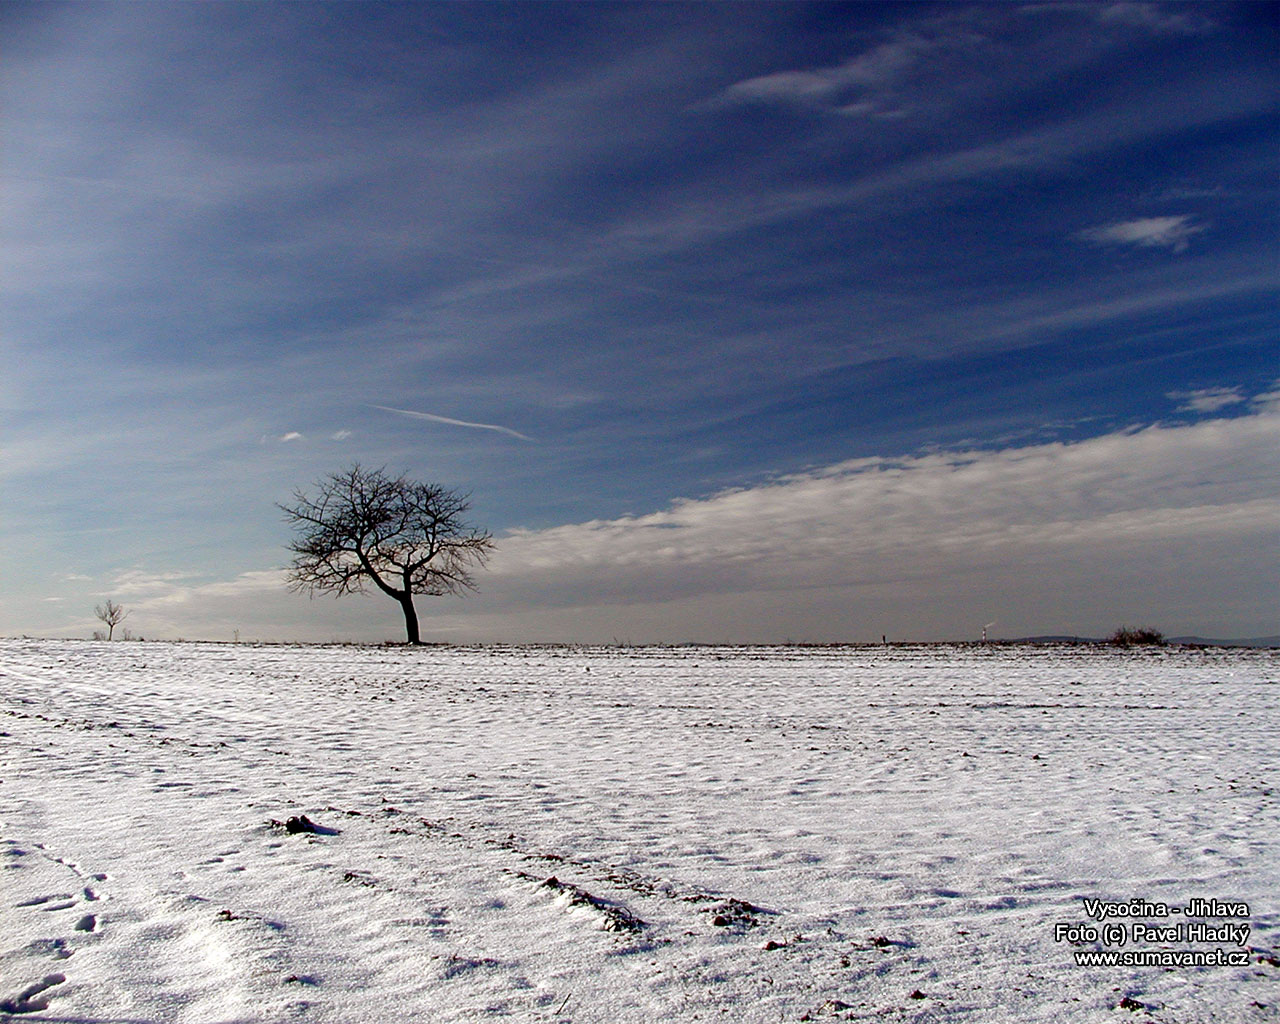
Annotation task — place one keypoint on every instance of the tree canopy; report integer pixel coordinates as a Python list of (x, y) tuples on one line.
[(112, 615), (405, 538)]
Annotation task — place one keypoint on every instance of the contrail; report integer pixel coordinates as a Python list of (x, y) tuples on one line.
[(453, 423)]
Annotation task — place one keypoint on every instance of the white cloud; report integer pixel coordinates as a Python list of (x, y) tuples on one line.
[(1206, 400), (293, 435), (339, 435), (1268, 401), (163, 591), (1149, 232), (139, 582), (168, 605), (1132, 515)]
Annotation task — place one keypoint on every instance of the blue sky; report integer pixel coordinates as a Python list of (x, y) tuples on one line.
[(799, 321)]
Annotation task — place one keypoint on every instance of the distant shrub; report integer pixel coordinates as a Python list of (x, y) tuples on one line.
[(1128, 637)]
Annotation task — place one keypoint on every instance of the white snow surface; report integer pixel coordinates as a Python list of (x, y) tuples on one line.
[(744, 834)]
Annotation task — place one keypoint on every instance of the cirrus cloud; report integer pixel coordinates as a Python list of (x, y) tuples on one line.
[(1207, 400), (1148, 232)]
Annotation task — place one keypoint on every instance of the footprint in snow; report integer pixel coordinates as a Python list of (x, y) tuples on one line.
[(28, 1000), (56, 901)]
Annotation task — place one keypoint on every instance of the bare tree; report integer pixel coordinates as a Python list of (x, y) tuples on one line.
[(111, 614), (404, 537)]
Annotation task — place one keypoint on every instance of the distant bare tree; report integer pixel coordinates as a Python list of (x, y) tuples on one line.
[(111, 614), (402, 536)]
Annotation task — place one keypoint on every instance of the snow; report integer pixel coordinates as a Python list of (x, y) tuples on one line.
[(626, 834)]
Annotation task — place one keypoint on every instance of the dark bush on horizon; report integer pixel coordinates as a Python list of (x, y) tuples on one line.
[(1128, 637)]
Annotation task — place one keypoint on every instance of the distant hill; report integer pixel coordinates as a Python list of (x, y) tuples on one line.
[(1203, 641), (1253, 641)]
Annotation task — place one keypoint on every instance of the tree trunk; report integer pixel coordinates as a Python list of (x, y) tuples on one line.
[(410, 618)]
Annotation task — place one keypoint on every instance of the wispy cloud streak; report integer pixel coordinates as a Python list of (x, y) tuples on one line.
[(452, 422)]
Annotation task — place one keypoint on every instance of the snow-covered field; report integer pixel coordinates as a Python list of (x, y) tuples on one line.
[(745, 834)]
